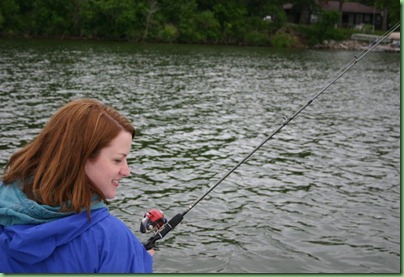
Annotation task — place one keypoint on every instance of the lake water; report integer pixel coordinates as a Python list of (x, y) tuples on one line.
[(322, 196)]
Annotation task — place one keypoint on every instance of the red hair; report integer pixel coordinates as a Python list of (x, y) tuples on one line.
[(52, 166)]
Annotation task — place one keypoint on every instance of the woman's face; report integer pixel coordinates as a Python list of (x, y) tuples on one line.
[(111, 165)]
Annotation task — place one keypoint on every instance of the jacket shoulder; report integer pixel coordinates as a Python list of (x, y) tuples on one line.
[(119, 249)]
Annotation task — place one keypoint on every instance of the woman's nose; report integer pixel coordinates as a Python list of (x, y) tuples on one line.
[(125, 170)]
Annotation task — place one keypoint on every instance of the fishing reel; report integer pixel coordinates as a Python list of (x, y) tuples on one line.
[(152, 221)]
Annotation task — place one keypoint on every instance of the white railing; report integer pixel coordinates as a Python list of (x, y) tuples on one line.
[(368, 38)]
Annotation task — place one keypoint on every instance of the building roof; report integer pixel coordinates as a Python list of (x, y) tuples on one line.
[(348, 7)]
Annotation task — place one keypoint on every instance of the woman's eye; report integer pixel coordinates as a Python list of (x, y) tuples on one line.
[(118, 161)]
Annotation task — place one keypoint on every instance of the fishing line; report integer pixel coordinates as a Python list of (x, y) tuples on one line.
[(154, 219)]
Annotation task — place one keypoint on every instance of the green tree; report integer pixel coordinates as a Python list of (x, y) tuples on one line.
[(113, 19), (231, 18), (202, 27), (9, 10), (149, 10), (182, 14), (51, 18), (185, 21), (391, 12)]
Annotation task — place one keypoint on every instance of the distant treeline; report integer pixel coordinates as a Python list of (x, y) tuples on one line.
[(236, 22)]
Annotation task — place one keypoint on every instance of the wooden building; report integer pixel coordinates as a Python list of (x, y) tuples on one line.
[(354, 15)]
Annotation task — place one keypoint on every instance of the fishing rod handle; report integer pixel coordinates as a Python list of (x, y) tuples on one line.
[(164, 231)]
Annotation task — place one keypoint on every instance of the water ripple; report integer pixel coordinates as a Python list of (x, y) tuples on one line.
[(321, 196)]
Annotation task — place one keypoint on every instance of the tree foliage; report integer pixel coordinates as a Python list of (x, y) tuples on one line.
[(186, 21)]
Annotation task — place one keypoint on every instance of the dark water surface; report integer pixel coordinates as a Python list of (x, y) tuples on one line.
[(321, 196)]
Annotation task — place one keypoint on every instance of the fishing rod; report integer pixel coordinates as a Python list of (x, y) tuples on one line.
[(154, 220)]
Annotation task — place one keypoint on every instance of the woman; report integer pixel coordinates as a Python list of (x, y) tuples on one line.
[(52, 212)]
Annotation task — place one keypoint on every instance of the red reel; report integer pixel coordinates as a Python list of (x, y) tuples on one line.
[(152, 220)]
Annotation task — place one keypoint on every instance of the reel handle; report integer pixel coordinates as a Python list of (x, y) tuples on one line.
[(163, 231)]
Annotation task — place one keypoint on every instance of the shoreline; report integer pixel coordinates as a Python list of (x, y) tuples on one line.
[(341, 45), (349, 45), (354, 45)]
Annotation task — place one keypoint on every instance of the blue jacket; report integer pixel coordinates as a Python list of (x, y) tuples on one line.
[(68, 244)]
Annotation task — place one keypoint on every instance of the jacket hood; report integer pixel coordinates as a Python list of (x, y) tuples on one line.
[(17, 209), (30, 232), (33, 243)]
